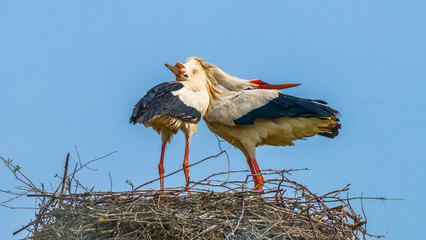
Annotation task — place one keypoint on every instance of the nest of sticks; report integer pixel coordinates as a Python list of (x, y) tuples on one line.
[(284, 210), (215, 208)]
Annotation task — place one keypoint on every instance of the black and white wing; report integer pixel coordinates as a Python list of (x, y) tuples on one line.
[(161, 100), (244, 107)]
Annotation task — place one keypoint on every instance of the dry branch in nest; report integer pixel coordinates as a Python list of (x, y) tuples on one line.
[(214, 209)]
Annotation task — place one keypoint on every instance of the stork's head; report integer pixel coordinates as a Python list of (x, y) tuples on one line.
[(196, 72), (192, 68)]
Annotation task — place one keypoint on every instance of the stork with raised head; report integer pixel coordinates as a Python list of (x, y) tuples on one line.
[(177, 105), (249, 117)]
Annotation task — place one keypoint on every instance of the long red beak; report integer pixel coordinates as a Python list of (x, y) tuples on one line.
[(264, 85), (177, 71)]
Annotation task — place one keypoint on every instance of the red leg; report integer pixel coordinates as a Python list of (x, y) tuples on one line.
[(186, 164), (252, 169), (257, 176), (160, 166)]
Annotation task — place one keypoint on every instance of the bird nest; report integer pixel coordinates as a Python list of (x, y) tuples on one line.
[(284, 210), (215, 208)]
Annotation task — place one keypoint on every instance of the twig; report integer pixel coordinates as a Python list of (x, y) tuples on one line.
[(64, 179), (78, 155), (241, 216), (91, 161), (170, 174), (310, 222), (110, 181)]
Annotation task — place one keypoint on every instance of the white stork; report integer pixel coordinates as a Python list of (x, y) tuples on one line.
[(177, 105), (249, 117)]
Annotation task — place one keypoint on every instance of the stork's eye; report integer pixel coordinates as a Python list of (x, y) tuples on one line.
[(185, 75), (179, 65)]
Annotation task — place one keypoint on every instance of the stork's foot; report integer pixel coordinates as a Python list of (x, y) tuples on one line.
[(258, 182), (187, 186), (258, 186)]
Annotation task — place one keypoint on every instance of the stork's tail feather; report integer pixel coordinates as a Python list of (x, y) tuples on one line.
[(132, 120), (334, 132)]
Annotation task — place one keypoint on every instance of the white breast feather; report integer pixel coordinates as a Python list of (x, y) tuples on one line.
[(197, 99)]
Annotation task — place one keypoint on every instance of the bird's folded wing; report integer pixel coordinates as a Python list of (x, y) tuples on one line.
[(160, 100), (244, 107)]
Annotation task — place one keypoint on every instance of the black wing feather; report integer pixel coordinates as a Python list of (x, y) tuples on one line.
[(288, 106), (160, 101)]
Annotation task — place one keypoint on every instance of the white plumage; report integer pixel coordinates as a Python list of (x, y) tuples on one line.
[(194, 96), (234, 104), (250, 118)]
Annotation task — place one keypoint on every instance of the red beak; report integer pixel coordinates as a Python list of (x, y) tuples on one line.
[(264, 85), (175, 70)]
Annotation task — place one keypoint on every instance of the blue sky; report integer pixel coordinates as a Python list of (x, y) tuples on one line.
[(70, 74)]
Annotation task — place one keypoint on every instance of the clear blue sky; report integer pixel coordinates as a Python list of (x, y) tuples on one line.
[(70, 74)]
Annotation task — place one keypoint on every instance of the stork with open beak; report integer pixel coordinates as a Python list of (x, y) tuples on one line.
[(177, 105), (250, 116)]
